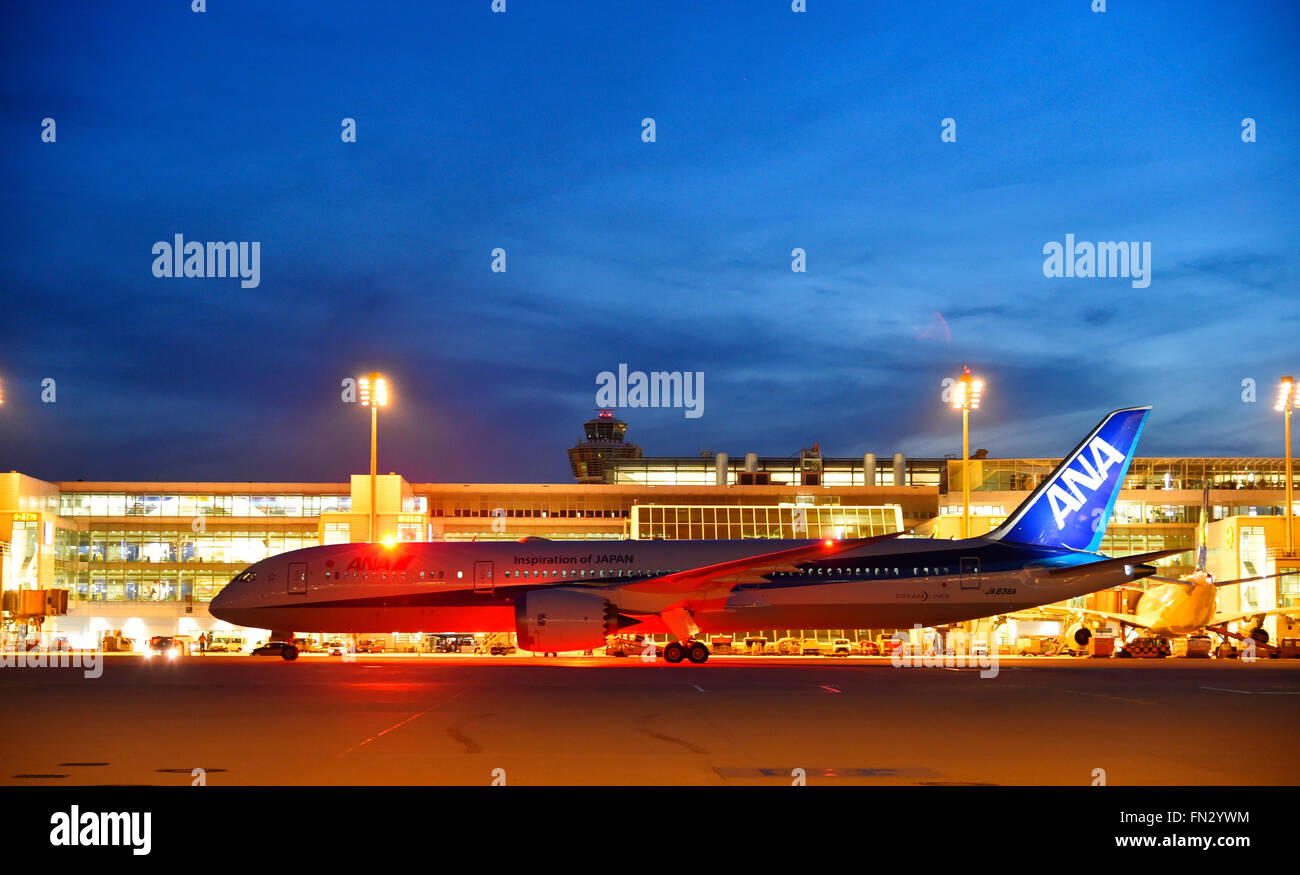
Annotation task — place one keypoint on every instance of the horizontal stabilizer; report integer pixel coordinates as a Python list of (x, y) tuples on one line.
[(1138, 559)]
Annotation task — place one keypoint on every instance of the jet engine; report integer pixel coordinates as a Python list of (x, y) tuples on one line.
[(551, 620), (1077, 638)]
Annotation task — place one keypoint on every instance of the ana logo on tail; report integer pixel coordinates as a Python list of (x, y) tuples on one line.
[(1091, 477), (1070, 508)]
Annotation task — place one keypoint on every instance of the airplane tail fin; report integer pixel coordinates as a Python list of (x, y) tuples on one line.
[(1073, 505)]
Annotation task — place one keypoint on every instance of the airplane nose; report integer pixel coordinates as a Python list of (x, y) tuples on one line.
[(221, 600), (225, 604)]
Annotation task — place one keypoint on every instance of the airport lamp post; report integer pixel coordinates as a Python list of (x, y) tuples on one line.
[(966, 392), (374, 394), (1286, 398)]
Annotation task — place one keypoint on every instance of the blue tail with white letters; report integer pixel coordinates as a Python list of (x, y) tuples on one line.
[(1073, 505)]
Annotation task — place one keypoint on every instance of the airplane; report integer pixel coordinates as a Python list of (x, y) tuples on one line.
[(1186, 606), (570, 595)]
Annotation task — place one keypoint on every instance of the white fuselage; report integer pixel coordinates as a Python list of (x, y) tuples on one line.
[(1175, 609), (473, 587)]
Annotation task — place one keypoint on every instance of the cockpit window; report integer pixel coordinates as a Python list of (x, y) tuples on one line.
[(247, 576)]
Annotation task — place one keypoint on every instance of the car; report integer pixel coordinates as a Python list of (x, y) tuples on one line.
[(813, 647), (335, 648), (367, 645), (283, 649), (163, 645), (868, 648), (841, 647)]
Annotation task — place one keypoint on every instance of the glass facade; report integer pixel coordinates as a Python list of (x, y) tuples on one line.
[(239, 547), (782, 472), (727, 522), (1022, 475), (24, 554), (121, 504), (118, 563)]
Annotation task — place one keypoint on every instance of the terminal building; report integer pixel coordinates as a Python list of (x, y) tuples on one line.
[(145, 558)]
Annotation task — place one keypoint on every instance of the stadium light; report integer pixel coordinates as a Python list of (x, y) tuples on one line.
[(1286, 398), (374, 394), (967, 391)]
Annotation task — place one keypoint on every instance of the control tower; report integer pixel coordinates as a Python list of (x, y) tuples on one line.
[(603, 442)]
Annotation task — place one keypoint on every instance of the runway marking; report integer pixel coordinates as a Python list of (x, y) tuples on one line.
[(471, 746), (1255, 692), (385, 732), (698, 687), (686, 744), (828, 688), (1105, 696), (741, 772)]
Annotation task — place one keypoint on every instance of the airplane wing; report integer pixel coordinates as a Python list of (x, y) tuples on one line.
[(1126, 619), (1229, 582), (748, 568), (1221, 619), (674, 596)]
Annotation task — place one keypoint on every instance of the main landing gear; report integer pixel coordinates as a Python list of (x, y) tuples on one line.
[(695, 651)]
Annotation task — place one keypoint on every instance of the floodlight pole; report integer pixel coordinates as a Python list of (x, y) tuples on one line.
[(965, 471), (1290, 476), (374, 463)]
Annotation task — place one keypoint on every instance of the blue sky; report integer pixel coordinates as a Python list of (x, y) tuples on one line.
[(775, 130)]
